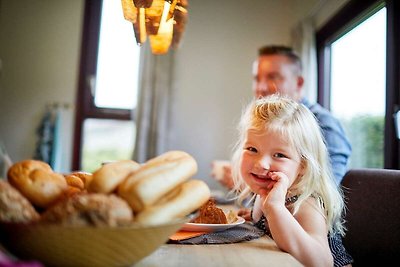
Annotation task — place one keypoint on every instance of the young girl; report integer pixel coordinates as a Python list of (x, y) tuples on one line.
[(281, 157)]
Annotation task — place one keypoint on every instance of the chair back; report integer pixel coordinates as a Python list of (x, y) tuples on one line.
[(372, 215)]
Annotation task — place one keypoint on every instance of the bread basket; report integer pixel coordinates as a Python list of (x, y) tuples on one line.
[(55, 245)]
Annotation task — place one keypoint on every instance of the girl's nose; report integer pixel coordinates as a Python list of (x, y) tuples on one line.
[(264, 163)]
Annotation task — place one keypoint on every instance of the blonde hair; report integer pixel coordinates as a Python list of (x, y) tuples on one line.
[(298, 125)]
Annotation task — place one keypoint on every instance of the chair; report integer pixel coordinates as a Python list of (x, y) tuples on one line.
[(373, 216)]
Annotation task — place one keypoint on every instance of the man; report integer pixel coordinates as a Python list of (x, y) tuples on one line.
[(279, 70)]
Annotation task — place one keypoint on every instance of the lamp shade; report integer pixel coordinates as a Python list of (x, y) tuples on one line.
[(163, 21)]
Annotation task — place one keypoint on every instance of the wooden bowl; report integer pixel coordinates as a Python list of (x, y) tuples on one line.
[(55, 245)]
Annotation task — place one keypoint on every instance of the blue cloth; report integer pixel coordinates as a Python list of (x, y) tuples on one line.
[(56, 153), (338, 144), (50, 139), (45, 133)]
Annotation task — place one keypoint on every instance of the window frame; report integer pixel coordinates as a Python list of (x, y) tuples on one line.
[(351, 15), (85, 105)]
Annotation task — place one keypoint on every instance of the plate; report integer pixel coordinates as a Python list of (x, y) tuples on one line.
[(204, 227)]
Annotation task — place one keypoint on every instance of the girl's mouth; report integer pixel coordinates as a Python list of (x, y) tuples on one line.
[(261, 179)]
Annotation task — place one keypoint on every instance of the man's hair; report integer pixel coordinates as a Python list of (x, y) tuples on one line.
[(269, 50)]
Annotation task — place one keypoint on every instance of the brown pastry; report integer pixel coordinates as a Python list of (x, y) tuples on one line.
[(89, 209), (37, 182), (211, 214), (14, 207)]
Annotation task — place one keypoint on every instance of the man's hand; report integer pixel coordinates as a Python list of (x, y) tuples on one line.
[(245, 213)]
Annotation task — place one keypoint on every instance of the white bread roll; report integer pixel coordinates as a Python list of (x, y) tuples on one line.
[(156, 178), (183, 200), (110, 175)]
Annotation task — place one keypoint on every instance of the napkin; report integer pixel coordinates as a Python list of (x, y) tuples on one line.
[(181, 235), (7, 261), (243, 232)]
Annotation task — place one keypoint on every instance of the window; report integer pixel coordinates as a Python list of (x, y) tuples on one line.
[(356, 63), (107, 93), (358, 68)]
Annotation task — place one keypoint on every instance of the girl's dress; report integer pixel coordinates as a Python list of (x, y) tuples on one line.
[(340, 256)]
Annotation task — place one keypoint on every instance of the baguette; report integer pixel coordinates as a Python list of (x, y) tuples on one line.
[(183, 200), (156, 178), (109, 176)]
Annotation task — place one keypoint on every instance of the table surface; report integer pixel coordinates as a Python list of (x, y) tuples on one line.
[(258, 252)]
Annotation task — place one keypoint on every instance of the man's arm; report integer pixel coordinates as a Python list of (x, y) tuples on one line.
[(338, 145)]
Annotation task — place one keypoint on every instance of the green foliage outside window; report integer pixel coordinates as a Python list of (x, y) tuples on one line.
[(93, 159), (367, 141)]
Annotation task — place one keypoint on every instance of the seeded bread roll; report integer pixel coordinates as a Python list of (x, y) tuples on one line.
[(14, 207), (183, 200), (89, 209), (37, 182), (110, 175), (156, 178)]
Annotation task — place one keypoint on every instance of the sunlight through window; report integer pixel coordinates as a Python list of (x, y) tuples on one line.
[(358, 88), (118, 60)]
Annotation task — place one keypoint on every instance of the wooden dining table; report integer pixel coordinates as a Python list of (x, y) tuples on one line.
[(259, 252)]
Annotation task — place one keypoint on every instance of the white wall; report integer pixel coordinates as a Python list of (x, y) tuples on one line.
[(40, 45), (39, 50)]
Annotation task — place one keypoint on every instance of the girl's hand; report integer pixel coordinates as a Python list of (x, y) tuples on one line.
[(275, 194)]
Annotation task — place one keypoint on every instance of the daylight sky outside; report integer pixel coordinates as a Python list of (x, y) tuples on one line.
[(117, 69), (359, 69)]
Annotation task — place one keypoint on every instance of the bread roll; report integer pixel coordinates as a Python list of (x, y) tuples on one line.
[(156, 178), (110, 175), (75, 181), (183, 200), (37, 182), (86, 177), (14, 207)]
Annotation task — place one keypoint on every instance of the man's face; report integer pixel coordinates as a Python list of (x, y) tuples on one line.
[(276, 74)]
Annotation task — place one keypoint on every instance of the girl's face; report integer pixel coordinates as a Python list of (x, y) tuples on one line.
[(265, 152)]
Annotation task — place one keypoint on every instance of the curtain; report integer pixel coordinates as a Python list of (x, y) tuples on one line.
[(153, 108), (303, 41), (5, 161)]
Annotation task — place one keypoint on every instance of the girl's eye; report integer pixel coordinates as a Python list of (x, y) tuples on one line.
[(251, 149), (279, 155)]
